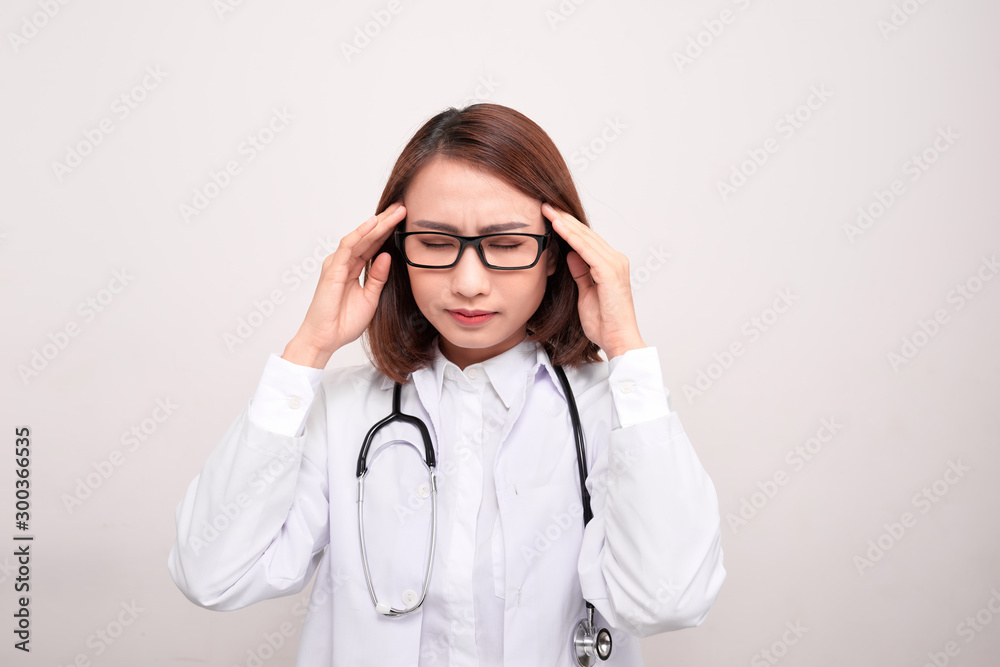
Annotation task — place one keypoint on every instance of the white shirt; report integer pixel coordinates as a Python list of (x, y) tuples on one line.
[(277, 500)]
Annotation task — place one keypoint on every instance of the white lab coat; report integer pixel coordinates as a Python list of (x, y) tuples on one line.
[(268, 510)]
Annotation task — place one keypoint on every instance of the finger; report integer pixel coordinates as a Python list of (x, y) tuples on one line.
[(385, 222), (579, 270), (591, 247), (377, 277)]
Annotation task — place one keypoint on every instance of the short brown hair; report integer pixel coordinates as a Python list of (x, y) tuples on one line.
[(511, 147)]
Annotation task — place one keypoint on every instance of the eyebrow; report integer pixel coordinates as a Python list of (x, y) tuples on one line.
[(451, 229)]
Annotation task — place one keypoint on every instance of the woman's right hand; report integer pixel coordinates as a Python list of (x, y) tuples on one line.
[(341, 309)]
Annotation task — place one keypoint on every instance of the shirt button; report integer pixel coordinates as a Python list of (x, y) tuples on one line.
[(410, 598), (472, 373), (625, 387), (295, 402), (424, 490)]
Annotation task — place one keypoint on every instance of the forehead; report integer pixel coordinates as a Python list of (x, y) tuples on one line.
[(456, 194)]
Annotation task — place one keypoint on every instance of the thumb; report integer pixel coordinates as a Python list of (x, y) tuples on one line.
[(378, 275), (579, 269)]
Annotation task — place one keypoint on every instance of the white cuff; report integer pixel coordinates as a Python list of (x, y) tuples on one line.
[(637, 389), (283, 397)]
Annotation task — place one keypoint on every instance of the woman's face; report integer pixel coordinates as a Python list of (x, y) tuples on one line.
[(447, 195)]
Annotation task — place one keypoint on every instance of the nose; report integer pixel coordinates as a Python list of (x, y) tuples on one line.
[(470, 276)]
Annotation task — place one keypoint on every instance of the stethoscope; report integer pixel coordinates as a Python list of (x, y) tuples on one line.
[(588, 641)]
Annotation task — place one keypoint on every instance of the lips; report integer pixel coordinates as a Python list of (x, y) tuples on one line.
[(470, 313)]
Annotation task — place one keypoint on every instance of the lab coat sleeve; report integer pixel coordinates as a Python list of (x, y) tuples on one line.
[(253, 524), (651, 559)]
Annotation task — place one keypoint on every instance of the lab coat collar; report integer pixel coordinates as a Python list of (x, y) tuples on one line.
[(510, 371)]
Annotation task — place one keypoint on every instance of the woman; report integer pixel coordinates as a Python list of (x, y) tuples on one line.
[(473, 336)]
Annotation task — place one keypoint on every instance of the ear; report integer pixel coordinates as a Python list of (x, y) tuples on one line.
[(550, 261)]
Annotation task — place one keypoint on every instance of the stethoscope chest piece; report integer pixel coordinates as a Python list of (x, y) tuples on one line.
[(589, 642)]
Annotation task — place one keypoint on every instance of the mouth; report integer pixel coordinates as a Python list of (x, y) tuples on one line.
[(464, 316)]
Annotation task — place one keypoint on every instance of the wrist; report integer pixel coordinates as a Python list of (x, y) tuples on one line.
[(305, 354), (619, 349)]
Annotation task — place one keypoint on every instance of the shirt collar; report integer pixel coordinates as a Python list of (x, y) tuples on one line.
[(510, 372)]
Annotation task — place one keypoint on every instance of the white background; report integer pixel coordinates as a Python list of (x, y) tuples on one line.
[(650, 187)]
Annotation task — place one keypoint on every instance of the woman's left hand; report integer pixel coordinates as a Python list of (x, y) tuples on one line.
[(607, 312)]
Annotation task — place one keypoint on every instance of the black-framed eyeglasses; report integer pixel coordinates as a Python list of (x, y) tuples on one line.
[(505, 252)]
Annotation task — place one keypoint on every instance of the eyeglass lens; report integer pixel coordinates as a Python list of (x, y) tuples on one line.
[(504, 250)]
